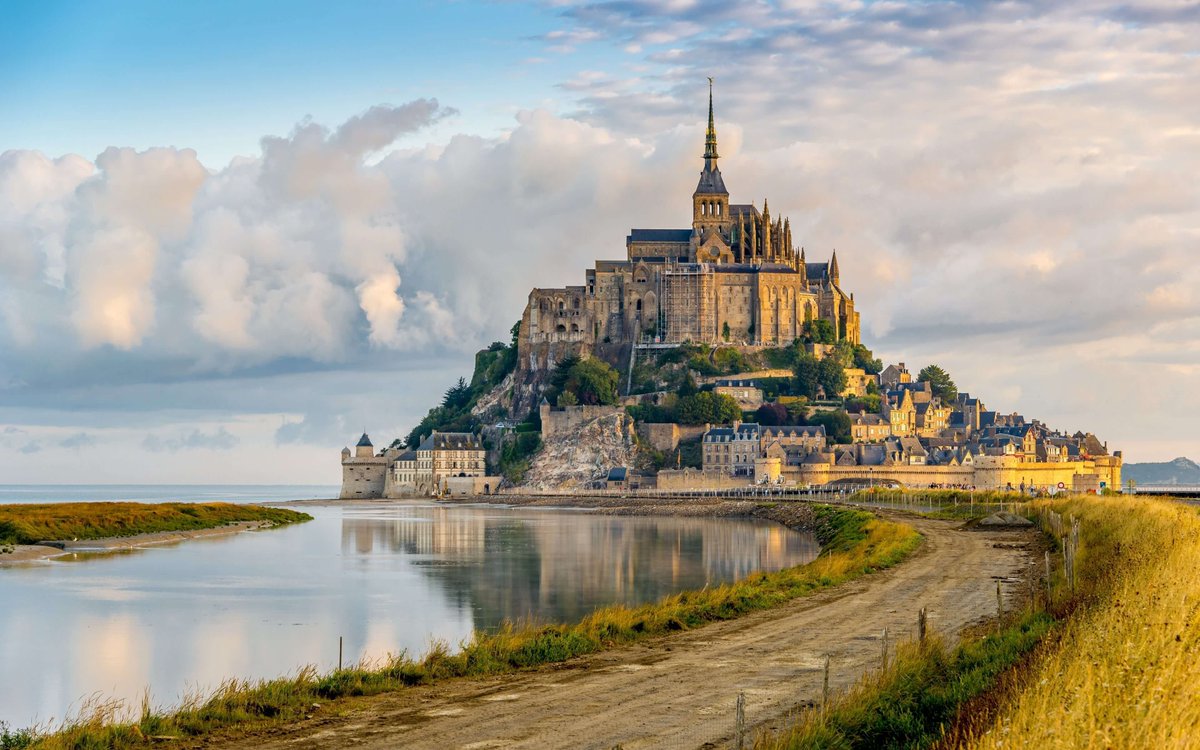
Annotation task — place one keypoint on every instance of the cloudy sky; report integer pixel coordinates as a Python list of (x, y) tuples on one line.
[(233, 235)]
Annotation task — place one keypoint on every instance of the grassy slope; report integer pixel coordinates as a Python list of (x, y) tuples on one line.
[(1126, 671), (1121, 669), (28, 524), (854, 543)]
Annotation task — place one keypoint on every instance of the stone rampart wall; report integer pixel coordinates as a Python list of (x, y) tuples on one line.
[(659, 436), (571, 418), (755, 375), (699, 479), (988, 473)]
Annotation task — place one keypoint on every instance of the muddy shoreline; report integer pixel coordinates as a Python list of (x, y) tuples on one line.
[(24, 553)]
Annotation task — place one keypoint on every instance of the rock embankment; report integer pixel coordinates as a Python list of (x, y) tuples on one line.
[(581, 456)]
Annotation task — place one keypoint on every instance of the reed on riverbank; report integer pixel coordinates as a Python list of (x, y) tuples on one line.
[(32, 523), (853, 543)]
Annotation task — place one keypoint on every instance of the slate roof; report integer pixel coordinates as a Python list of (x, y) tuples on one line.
[(747, 431), (659, 235), (734, 383), (817, 271), (617, 474), (364, 442), (869, 419), (407, 456), (801, 431), (711, 183), (737, 209), (454, 441)]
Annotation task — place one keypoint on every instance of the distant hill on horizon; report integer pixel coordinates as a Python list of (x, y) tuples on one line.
[(1180, 471)]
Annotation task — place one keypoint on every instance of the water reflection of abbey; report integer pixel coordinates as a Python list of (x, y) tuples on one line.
[(557, 566)]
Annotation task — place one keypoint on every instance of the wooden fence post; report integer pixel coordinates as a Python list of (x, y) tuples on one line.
[(740, 726), (1049, 591), (921, 625), (999, 603), (825, 686), (883, 651)]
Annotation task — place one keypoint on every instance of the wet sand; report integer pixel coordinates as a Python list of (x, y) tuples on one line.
[(25, 553)]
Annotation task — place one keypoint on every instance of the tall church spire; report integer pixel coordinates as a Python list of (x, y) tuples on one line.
[(710, 138), (711, 183)]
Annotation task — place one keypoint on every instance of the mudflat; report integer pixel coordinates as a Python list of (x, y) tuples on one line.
[(31, 552), (680, 691)]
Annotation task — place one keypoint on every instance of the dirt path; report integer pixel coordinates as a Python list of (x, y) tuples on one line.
[(680, 691)]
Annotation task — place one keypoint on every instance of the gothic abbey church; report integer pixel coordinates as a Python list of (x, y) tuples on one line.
[(733, 278)]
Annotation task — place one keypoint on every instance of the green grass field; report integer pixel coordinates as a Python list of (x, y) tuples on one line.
[(29, 524)]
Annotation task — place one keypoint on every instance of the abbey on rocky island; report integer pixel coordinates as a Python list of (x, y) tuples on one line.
[(734, 277)]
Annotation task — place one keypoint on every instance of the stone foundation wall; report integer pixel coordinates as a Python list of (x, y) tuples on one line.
[(571, 418), (661, 437)]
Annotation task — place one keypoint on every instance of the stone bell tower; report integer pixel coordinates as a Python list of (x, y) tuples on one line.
[(710, 202)]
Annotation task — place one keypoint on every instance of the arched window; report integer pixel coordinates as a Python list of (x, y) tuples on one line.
[(575, 303), (560, 328), (638, 306), (560, 306)]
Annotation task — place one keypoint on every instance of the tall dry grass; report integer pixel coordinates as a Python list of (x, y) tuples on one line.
[(1125, 672)]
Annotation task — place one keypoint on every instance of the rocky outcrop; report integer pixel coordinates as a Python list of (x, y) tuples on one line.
[(536, 362), (583, 454), (496, 401)]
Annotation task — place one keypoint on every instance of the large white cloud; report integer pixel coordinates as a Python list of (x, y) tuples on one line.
[(1010, 187)]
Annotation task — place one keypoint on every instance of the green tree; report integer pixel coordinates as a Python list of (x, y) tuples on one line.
[(688, 387), (865, 360), (837, 424), (939, 382), (868, 404), (707, 406), (516, 455), (592, 381), (725, 330), (831, 376), (730, 360), (843, 352), (567, 398), (797, 412), (820, 331), (457, 396), (807, 373)]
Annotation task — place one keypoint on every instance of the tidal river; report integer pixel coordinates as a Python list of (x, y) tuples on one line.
[(385, 577)]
